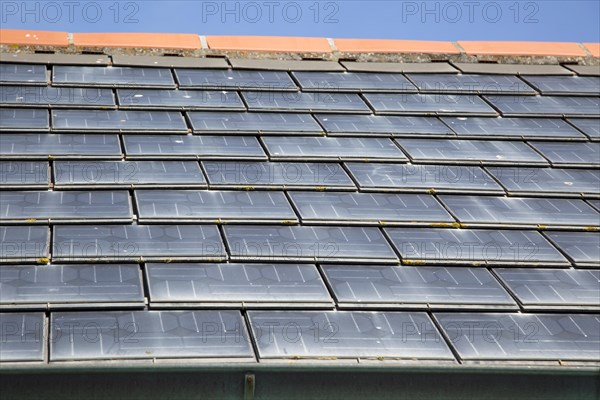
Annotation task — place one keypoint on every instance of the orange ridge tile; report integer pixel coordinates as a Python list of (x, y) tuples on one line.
[(560, 49), (30, 37), (394, 46), (269, 44), (593, 48), (182, 41)]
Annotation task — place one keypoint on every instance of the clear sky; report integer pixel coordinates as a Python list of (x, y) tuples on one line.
[(547, 20)]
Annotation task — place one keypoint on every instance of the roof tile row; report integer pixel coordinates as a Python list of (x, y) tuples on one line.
[(295, 44)]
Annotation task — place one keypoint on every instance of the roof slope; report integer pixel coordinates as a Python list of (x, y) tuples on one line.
[(255, 210)]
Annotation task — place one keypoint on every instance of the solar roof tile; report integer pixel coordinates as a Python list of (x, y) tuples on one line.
[(178, 99), (329, 102), (353, 82), (565, 85), (428, 104), (22, 244), (23, 337), (42, 146), (117, 121), (50, 96), (589, 126), (570, 154), (220, 79), (512, 128), (251, 123), (23, 74), (24, 119), (470, 83), (546, 106), (24, 174), (112, 76), (381, 125), (583, 248)]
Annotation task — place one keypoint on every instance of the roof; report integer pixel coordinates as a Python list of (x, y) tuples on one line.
[(340, 211)]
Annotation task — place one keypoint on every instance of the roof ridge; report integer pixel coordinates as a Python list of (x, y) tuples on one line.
[(289, 47)]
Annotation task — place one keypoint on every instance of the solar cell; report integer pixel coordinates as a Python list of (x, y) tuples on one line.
[(305, 102), (353, 82), (136, 174), (381, 125), (234, 79), (546, 106), (268, 175), (23, 337), (50, 96), (24, 244), (148, 334), (393, 287), (58, 207), (512, 128), (178, 99), (570, 154), (508, 337), (368, 208), (548, 181), (23, 74), (473, 247), (551, 289), (470, 84), (582, 248), (484, 211), (205, 147), (565, 85), (428, 104), (117, 121), (71, 286), (471, 152), (64, 75), (304, 243), (252, 123), (24, 174), (420, 178), (134, 243), (42, 146), (346, 334), (24, 119), (589, 126), (238, 285), (209, 206), (332, 149)]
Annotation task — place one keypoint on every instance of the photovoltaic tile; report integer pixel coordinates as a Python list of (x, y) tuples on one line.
[(546, 106), (210, 206), (551, 289), (372, 286), (305, 102), (583, 248), (148, 334), (271, 175), (134, 243), (368, 208), (589, 126), (252, 123), (220, 79), (23, 74), (23, 337), (570, 154), (24, 174), (304, 243), (565, 85), (471, 152), (50, 96), (474, 247), (353, 82), (508, 337), (420, 178), (71, 286), (118, 121), (382, 125), (112, 76), (239, 285), (58, 207), (206, 147), (178, 99), (522, 212), (346, 334), (428, 104), (470, 84), (119, 174), (24, 119), (548, 181), (42, 146), (332, 149), (512, 128), (24, 244)]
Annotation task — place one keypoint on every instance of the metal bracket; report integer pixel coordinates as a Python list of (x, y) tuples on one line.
[(249, 385)]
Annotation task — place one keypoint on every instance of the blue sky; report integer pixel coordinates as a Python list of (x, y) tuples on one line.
[(550, 20)]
